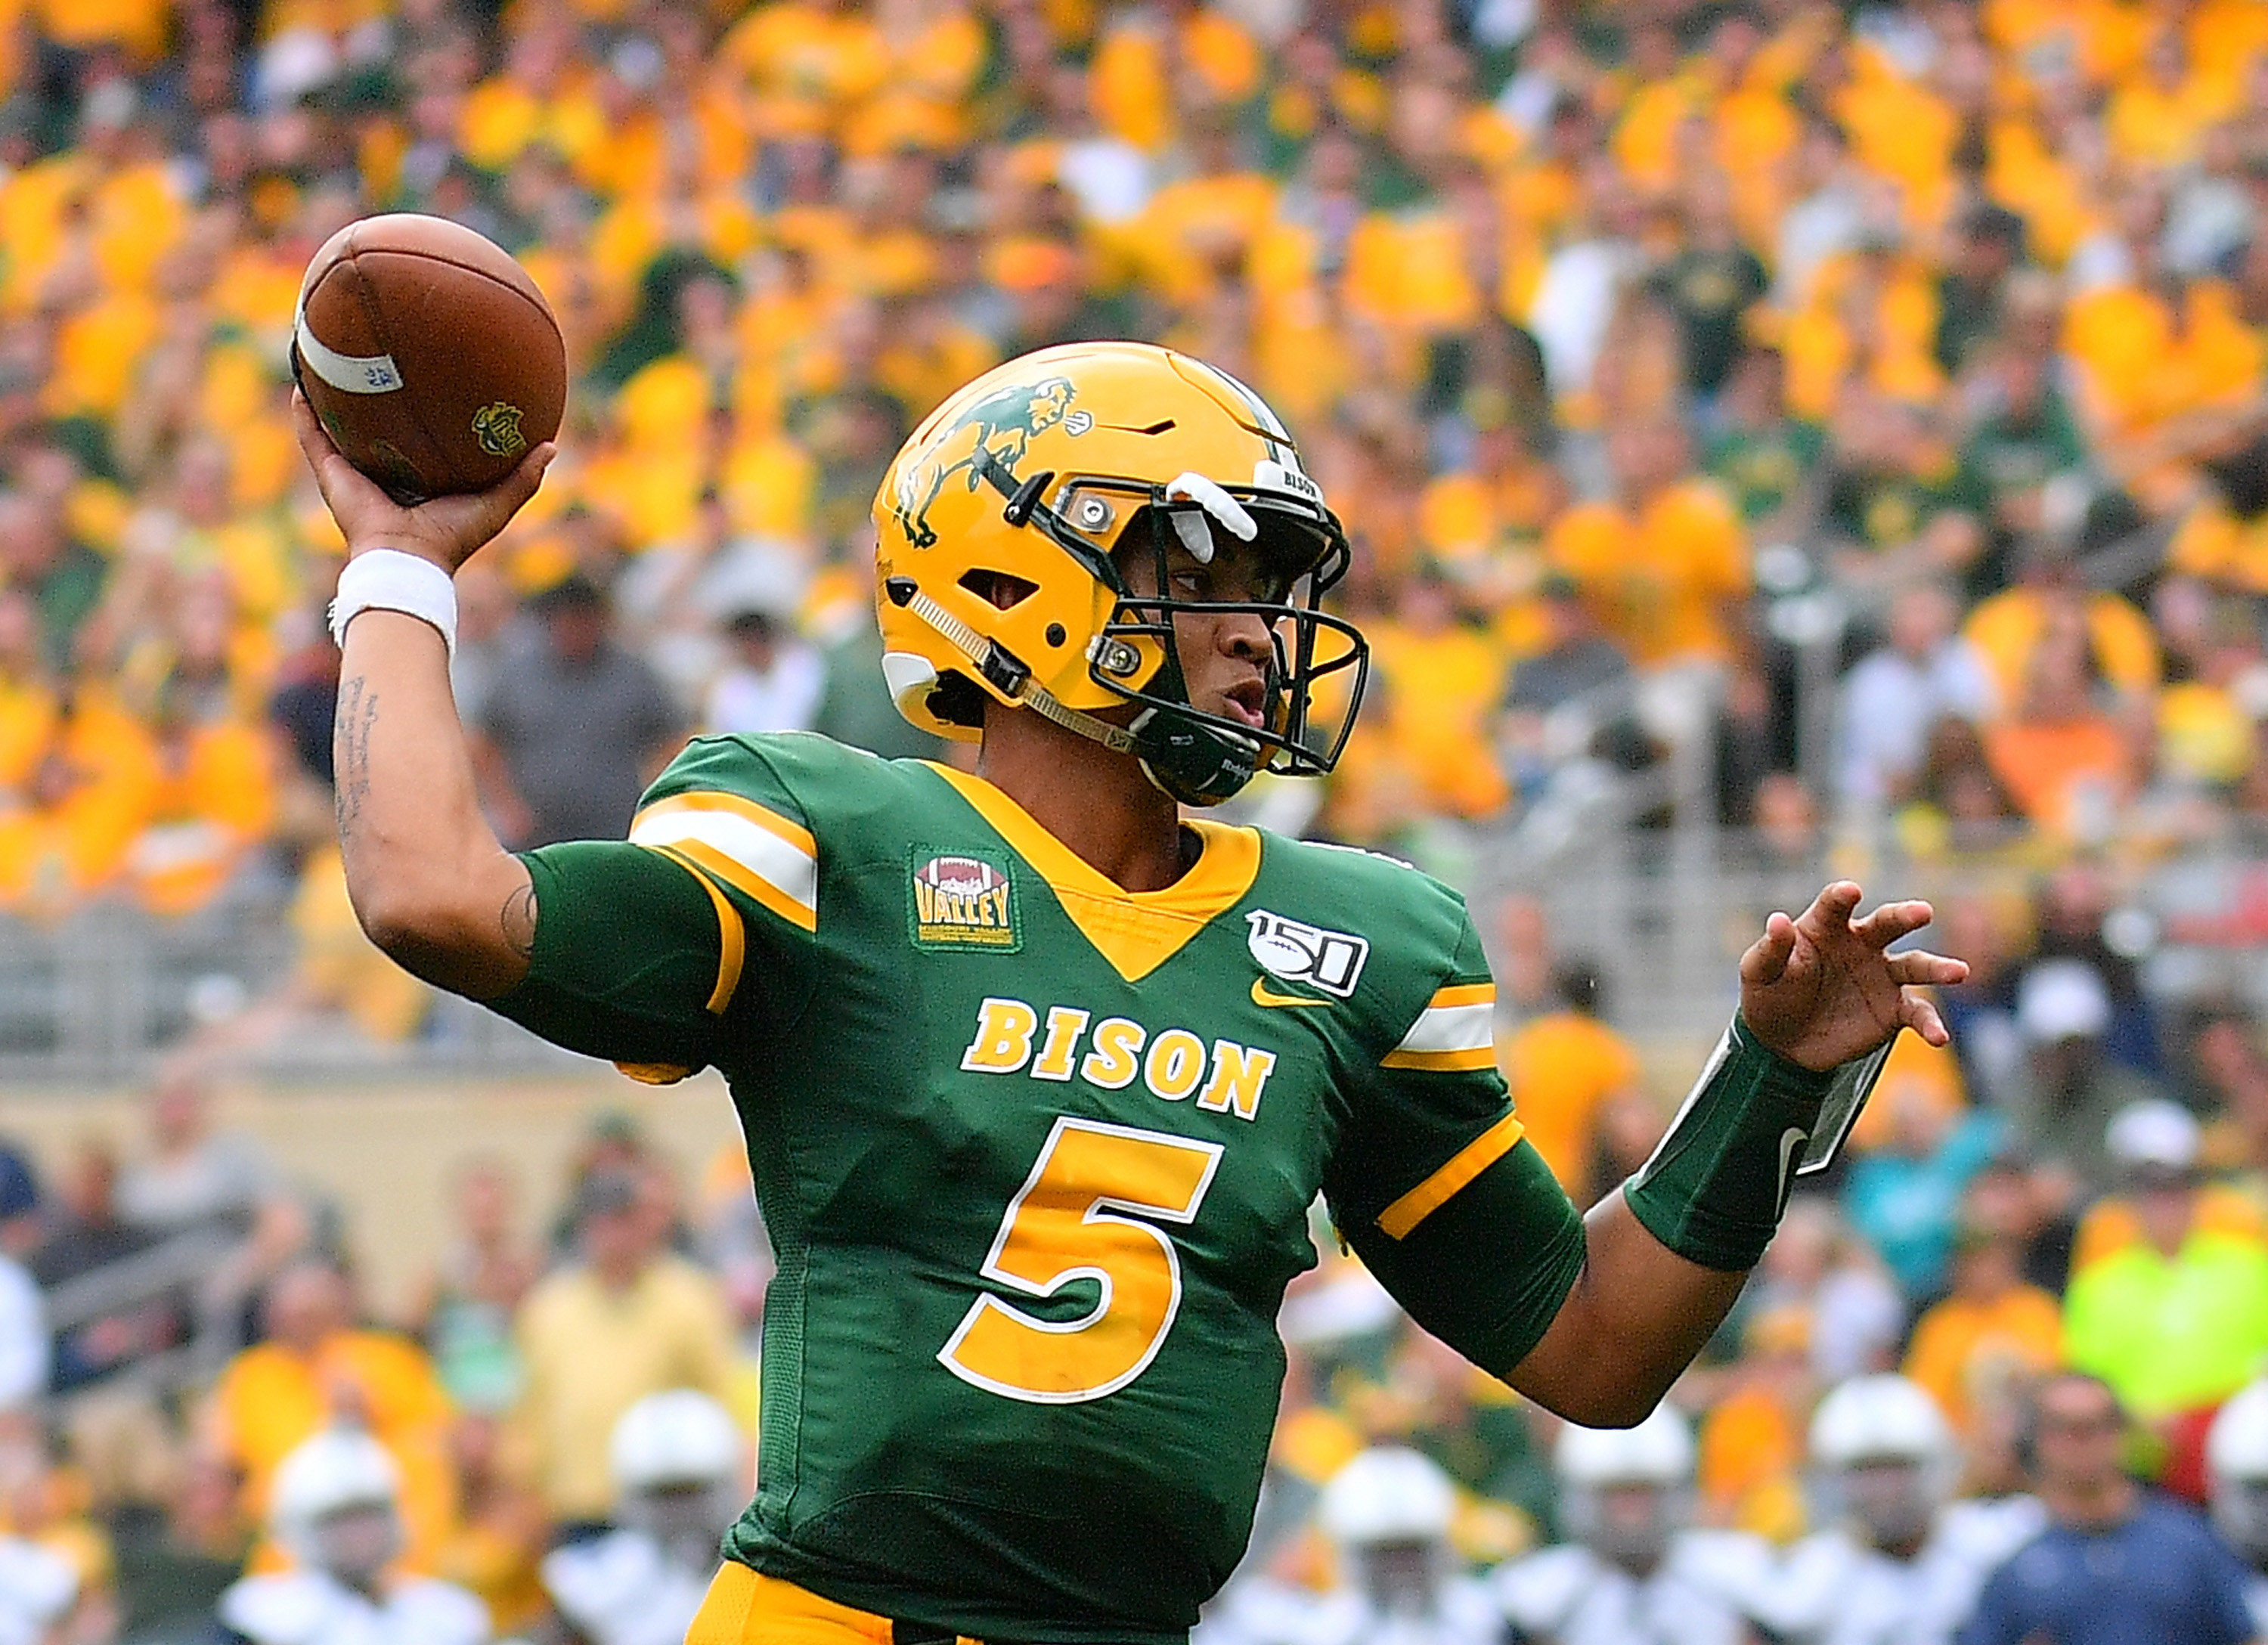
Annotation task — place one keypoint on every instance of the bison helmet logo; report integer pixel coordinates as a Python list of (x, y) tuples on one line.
[(497, 426), (996, 429)]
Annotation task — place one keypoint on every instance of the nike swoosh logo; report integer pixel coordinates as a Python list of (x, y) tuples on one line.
[(1794, 1138), (1263, 995)]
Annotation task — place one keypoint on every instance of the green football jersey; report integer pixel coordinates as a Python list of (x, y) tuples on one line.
[(1036, 1155)]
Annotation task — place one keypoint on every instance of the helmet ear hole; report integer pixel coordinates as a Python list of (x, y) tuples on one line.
[(1001, 589), (957, 700)]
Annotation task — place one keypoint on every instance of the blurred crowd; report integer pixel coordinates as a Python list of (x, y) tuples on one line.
[(2012, 1350), (1666, 359), (202, 1421)]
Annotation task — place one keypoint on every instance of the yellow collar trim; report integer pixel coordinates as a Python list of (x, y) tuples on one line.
[(1136, 931)]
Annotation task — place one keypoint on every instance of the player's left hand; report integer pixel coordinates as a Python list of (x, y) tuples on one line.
[(1820, 990)]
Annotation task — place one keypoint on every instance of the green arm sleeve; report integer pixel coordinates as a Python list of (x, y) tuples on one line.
[(1487, 1271), (628, 949), (1719, 1179)]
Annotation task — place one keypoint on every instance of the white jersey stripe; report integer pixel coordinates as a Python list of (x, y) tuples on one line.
[(1451, 1028), (780, 864)]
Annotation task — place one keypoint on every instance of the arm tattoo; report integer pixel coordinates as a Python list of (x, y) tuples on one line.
[(518, 918), (358, 714)]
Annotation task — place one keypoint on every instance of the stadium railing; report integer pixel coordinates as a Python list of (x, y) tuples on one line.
[(1630, 871)]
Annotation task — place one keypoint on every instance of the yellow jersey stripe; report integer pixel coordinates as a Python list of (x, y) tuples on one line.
[(733, 805), (654, 1073), (1441, 1061), (732, 934), (799, 915), (750, 855), (1464, 994), (1405, 1213)]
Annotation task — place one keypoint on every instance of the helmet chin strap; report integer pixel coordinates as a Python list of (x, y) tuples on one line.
[(1209, 775), (1192, 763), (1044, 703), (1196, 763), (1012, 678)]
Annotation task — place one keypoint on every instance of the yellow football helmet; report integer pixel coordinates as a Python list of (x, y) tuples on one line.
[(1047, 476)]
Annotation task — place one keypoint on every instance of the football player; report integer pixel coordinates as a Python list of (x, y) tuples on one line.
[(679, 1483), (335, 1511), (38, 1590), (1897, 1563), (1038, 1079), (1388, 1514), (1637, 1572)]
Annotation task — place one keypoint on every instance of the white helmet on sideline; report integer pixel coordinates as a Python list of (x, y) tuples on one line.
[(2236, 1462), (1625, 1493), (678, 1438), (1883, 1460), (341, 1473), (1389, 1511), (1876, 1418), (676, 1461), (1658, 1451), (1388, 1494)]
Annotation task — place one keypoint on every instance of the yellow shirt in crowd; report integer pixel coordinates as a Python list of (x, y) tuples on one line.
[(2111, 1225), (1563, 1067), (2214, 544), (272, 1398), (1439, 692), (1660, 579), (592, 1352), (2007, 629), (1961, 1347)]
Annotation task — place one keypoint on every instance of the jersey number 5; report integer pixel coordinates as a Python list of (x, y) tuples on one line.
[(1060, 1227)]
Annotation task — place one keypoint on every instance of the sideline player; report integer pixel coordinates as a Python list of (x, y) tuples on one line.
[(2236, 1468), (1637, 1570), (1897, 1562), (335, 1511), (1388, 1514), (679, 1479), (1038, 1080)]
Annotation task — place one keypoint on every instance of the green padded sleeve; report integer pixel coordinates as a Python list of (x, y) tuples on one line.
[(627, 946), (1714, 1189), (1487, 1272)]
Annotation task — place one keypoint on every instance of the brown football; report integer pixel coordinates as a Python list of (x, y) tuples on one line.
[(430, 356)]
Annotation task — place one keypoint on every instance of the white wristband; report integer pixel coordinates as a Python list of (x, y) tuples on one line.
[(388, 579)]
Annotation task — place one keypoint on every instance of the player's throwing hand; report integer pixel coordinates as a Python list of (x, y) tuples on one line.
[(1823, 988), (445, 530)]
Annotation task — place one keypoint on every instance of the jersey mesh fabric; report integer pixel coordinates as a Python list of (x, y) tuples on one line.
[(1098, 1110)]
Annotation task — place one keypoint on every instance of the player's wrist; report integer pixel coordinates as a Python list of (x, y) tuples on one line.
[(359, 548), (385, 577), (1787, 1051), (1787, 1063), (1714, 1188)]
